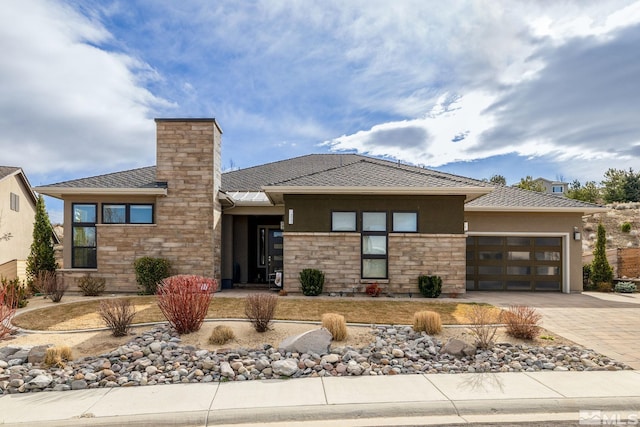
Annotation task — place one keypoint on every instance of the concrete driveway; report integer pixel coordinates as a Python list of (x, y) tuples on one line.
[(606, 323)]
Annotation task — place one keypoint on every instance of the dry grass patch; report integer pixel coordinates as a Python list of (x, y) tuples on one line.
[(368, 311), (427, 321), (335, 324)]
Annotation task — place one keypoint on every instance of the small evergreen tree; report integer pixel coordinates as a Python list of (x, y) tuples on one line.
[(530, 184), (601, 271), (42, 256)]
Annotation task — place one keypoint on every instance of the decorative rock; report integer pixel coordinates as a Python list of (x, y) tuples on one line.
[(226, 370), (314, 341), (458, 348), (286, 367), (41, 381), (37, 353)]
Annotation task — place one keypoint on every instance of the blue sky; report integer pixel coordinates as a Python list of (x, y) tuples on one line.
[(470, 87)]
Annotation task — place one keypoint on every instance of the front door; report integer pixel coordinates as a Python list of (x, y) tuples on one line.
[(270, 252)]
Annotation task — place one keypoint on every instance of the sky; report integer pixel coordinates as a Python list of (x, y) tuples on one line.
[(476, 88)]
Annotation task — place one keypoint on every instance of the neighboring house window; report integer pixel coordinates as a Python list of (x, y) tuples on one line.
[(374, 245), (83, 251), (557, 189), (343, 221), (127, 214), (405, 222), (15, 202)]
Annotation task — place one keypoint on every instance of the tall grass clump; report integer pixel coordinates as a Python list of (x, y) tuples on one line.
[(184, 301), (221, 334), (427, 321), (335, 324)]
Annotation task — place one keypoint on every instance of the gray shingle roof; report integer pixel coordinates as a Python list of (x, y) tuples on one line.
[(134, 178), (513, 197), (7, 170)]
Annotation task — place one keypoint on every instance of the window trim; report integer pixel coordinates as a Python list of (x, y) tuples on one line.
[(79, 224)]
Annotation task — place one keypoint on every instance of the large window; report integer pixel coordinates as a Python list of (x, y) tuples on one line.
[(84, 235), (374, 245), (343, 221), (127, 213), (405, 222)]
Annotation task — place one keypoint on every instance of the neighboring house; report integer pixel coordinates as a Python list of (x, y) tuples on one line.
[(558, 188), (17, 215), (358, 219)]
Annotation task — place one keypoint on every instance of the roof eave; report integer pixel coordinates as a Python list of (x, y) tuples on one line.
[(275, 193), (583, 210), (61, 192)]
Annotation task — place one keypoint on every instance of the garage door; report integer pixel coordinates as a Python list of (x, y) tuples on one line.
[(514, 263)]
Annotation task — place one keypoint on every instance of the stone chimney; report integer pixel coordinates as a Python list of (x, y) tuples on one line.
[(189, 218)]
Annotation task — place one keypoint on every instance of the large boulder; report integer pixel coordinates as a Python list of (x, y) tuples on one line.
[(315, 341), (458, 348), (36, 354)]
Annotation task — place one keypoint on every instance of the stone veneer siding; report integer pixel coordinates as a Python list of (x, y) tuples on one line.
[(410, 255), (187, 227)]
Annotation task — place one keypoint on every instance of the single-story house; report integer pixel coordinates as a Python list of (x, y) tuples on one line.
[(358, 219), (17, 215)]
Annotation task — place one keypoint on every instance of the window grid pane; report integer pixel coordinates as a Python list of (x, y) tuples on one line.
[(343, 221), (405, 222), (114, 214), (374, 245), (141, 214), (374, 268), (374, 221)]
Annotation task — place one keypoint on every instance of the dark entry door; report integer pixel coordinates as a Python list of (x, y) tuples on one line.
[(274, 250)]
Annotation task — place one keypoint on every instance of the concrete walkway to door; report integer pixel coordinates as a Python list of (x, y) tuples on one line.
[(606, 323)]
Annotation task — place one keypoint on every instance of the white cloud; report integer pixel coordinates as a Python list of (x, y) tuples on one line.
[(66, 103)]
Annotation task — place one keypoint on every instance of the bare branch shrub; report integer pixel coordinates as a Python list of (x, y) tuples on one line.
[(91, 286), (52, 285), (184, 300), (522, 321), (336, 324), (117, 314), (260, 309), (221, 334), (7, 311), (57, 356), (484, 322), (427, 321)]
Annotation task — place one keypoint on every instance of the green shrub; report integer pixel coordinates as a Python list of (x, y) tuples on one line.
[(430, 286), (625, 287), (586, 277), (601, 271), (16, 294), (91, 286), (625, 227), (312, 281), (149, 272)]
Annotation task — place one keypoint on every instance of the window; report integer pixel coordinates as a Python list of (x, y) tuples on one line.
[(127, 214), (405, 222), (343, 221), (374, 245), (15, 202), (557, 189), (83, 250)]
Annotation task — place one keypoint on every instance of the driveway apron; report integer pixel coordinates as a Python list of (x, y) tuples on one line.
[(606, 323)]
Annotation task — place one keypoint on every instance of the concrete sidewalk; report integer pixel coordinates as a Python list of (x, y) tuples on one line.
[(377, 400)]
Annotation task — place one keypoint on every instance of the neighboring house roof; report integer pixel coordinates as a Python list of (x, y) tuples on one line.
[(7, 171), (516, 199), (134, 181)]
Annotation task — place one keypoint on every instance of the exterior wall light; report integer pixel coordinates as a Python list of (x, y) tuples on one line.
[(576, 234)]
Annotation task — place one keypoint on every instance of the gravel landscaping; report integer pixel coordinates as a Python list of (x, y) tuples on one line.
[(159, 357)]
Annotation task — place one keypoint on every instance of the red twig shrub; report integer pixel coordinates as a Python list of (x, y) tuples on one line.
[(373, 290), (522, 322), (184, 300), (260, 309), (6, 313)]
